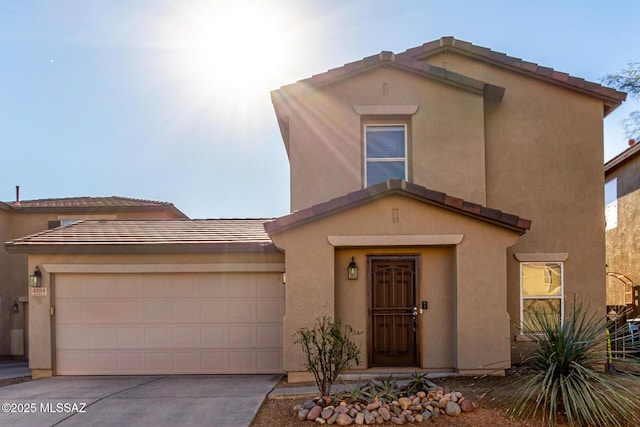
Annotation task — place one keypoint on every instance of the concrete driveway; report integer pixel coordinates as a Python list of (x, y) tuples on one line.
[(193, 400)]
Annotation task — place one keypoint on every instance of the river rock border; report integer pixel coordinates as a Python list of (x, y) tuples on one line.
[(415, 408)]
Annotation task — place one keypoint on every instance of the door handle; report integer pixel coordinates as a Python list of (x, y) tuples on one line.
[(415, 312)]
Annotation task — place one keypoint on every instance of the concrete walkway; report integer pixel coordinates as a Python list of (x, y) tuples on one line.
[(193, 400), (14, 369)]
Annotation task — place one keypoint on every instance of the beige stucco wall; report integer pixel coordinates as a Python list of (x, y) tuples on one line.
[(466, 327), (623, 242), (538, 153), (544, 150), (13, 267), (40, 319), (447, 131)]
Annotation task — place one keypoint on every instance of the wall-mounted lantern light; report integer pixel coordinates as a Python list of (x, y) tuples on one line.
[(35, 279), (15, 308), (352, 271), (284, 277)]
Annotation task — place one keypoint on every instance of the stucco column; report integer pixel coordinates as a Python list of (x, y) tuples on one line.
[(482, 320), (309, 291), (40, 356)]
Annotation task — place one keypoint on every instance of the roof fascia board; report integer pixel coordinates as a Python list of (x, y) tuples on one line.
[(528, 69), (133, 248)]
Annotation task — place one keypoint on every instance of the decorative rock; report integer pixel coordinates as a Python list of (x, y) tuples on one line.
[(359, 418), (419, 418), (411, 418), (369, 418), (309, 404), (397, 420), (384, 413), (302, 414), (421, 394), (341, 410), (404, 402), (467, 406), (353, 412), (321, 420), (344, 420), (373, 405), (332, 419), (327, 412), (426, 415), (380, 420), (314, 413), (453, 409)]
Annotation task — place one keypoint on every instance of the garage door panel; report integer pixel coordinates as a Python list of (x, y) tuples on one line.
[(186, 335), (157, 336), (268, 336), (242, 311), (73, 337), (101, 337), (157, 311), (186, 311), (271, 310), (70, 311), (128, 362), (168, 323), (127, 337)]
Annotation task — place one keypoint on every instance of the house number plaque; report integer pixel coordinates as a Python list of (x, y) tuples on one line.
[(38, 292)]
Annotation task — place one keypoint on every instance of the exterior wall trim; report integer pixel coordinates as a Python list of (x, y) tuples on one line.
[(266, 267), (542, 257), (404, 110), (396, 240)]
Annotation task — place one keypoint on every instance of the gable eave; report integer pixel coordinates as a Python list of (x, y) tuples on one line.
[(403, 188), (610, 97)]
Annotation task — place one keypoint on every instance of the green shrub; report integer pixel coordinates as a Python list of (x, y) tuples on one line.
[(568, 374), (329, 350)]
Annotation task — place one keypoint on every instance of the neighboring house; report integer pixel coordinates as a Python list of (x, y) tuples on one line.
[(25, 217), (622, 215), (437, 195)]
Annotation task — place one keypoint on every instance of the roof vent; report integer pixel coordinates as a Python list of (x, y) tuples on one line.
[(632, 142), (17, 195)]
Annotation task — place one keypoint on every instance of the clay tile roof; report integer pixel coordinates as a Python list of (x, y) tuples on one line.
[(184, 235), (92, 203), (398, 186), (612, 97), (384, 58), (411, 60)]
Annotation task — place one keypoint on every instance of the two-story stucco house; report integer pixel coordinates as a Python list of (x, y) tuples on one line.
[(437, 195)]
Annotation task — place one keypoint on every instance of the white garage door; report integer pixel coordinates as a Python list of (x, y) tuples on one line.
[(108, 324)]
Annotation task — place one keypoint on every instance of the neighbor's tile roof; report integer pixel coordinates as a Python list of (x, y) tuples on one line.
[(87, 202), (92, 204), (622, 158), (100, 235), (399, 186)]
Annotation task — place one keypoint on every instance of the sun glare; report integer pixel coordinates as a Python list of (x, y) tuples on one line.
[(233, 49)]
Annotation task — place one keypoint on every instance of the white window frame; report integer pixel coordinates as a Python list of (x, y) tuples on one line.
[(386, 159), (546, 297), (611, 204)]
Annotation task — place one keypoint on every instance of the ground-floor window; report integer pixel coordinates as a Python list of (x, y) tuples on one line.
[(541, 290)]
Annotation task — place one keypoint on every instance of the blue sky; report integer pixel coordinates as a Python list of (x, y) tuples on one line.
[(170, 100)]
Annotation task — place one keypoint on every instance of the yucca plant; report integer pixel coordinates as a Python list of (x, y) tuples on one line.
[(568, 373)]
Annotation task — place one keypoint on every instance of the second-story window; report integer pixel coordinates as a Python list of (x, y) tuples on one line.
[(385, 153)]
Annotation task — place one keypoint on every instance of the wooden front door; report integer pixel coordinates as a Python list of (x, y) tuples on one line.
[(393, 309)]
